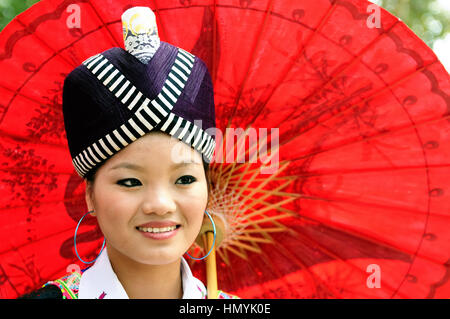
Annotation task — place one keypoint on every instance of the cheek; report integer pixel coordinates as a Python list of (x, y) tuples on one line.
[(193, 208), (114, 211)]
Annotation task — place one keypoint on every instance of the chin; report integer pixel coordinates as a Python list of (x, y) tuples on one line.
[(156, 257)]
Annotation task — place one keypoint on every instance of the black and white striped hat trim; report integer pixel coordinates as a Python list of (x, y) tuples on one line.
[(147, 114)]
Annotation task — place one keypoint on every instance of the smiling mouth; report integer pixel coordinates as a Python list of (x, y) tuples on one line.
[(158, 229)]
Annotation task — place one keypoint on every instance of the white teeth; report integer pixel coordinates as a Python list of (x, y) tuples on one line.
[(157, 230)]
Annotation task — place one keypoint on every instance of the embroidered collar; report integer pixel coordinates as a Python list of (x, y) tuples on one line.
[(100, 282)]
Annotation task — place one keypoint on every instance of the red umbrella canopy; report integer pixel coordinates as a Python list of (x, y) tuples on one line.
[(356, 108)]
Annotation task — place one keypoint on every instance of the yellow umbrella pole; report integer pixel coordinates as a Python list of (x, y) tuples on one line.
[(205, 239), (211, 270)]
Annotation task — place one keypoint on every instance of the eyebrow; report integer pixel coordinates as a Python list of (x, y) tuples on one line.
[(136, 167)]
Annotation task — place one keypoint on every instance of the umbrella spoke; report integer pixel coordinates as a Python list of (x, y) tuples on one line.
[(254, 239), (115, 42), (331, 79), (345, 229), (44, 44), (237, 253), (333, 255), (293, 61), (377, 205), (251, 60), (32, 99), (369, 170), (30, 139), (317, 281), (384, 89), (367, 138)]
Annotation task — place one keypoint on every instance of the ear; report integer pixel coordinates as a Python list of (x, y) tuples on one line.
[(89, 196)]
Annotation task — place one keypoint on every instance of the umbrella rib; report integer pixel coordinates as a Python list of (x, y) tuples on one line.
[(413, 254), (260, 185), (365, 139), (316, 279), (40, 66), (359, 203), (44, 43), (367, 237), (162, 28), (253, 239), (243, 187), (269, 192), (354, 59), (328, 252), (115, 42), (220, 173), (222, 255), (331, 78), (244, 246), (307, 175), (264, 220), (33, 171), (280, 178), (251, 61), (276, 206), (262, 231), (57, 201), (276, 271), (214, 43), (388, 87), (265, 230), (37, 240), (268, 206), (262, 202), (41, 103), (234, 251), (234, 163), (355, 233), (230, 169), (255, 154), (290, 66), (17, 138)]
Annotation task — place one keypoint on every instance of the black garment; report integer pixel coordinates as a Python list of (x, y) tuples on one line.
[(47, 292)]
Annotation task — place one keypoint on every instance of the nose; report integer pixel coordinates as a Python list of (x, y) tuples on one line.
[(158, 200)]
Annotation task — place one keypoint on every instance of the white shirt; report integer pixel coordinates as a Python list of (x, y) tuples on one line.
[(101, 282)]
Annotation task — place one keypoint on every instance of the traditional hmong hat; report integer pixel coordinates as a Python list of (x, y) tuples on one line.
[(117, 96)]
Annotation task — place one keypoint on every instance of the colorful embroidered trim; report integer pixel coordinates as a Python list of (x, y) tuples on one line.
[(224, 295), (68, 285)]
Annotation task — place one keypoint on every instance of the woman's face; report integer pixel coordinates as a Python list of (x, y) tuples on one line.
[(143, 192)]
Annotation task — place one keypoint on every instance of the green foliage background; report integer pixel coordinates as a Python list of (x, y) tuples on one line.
[(425, 17), (10, 8)]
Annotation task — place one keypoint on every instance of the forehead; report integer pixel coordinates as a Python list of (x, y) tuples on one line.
[(156, 148)]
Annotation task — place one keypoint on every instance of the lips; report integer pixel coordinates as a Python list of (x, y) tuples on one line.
[(158, 224), (159, 230)]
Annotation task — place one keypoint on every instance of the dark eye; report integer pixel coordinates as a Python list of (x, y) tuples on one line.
[(129, 182), (187, 179)]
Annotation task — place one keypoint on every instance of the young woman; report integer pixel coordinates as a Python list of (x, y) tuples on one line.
[(137, 124)]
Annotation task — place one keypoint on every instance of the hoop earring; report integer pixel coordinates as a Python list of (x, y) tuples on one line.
[(214, 241), (75, 241)]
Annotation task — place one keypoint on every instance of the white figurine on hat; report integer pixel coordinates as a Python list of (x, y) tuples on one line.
[(140, 33)]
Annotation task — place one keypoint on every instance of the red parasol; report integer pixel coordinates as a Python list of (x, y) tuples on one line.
[(357, 114)]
